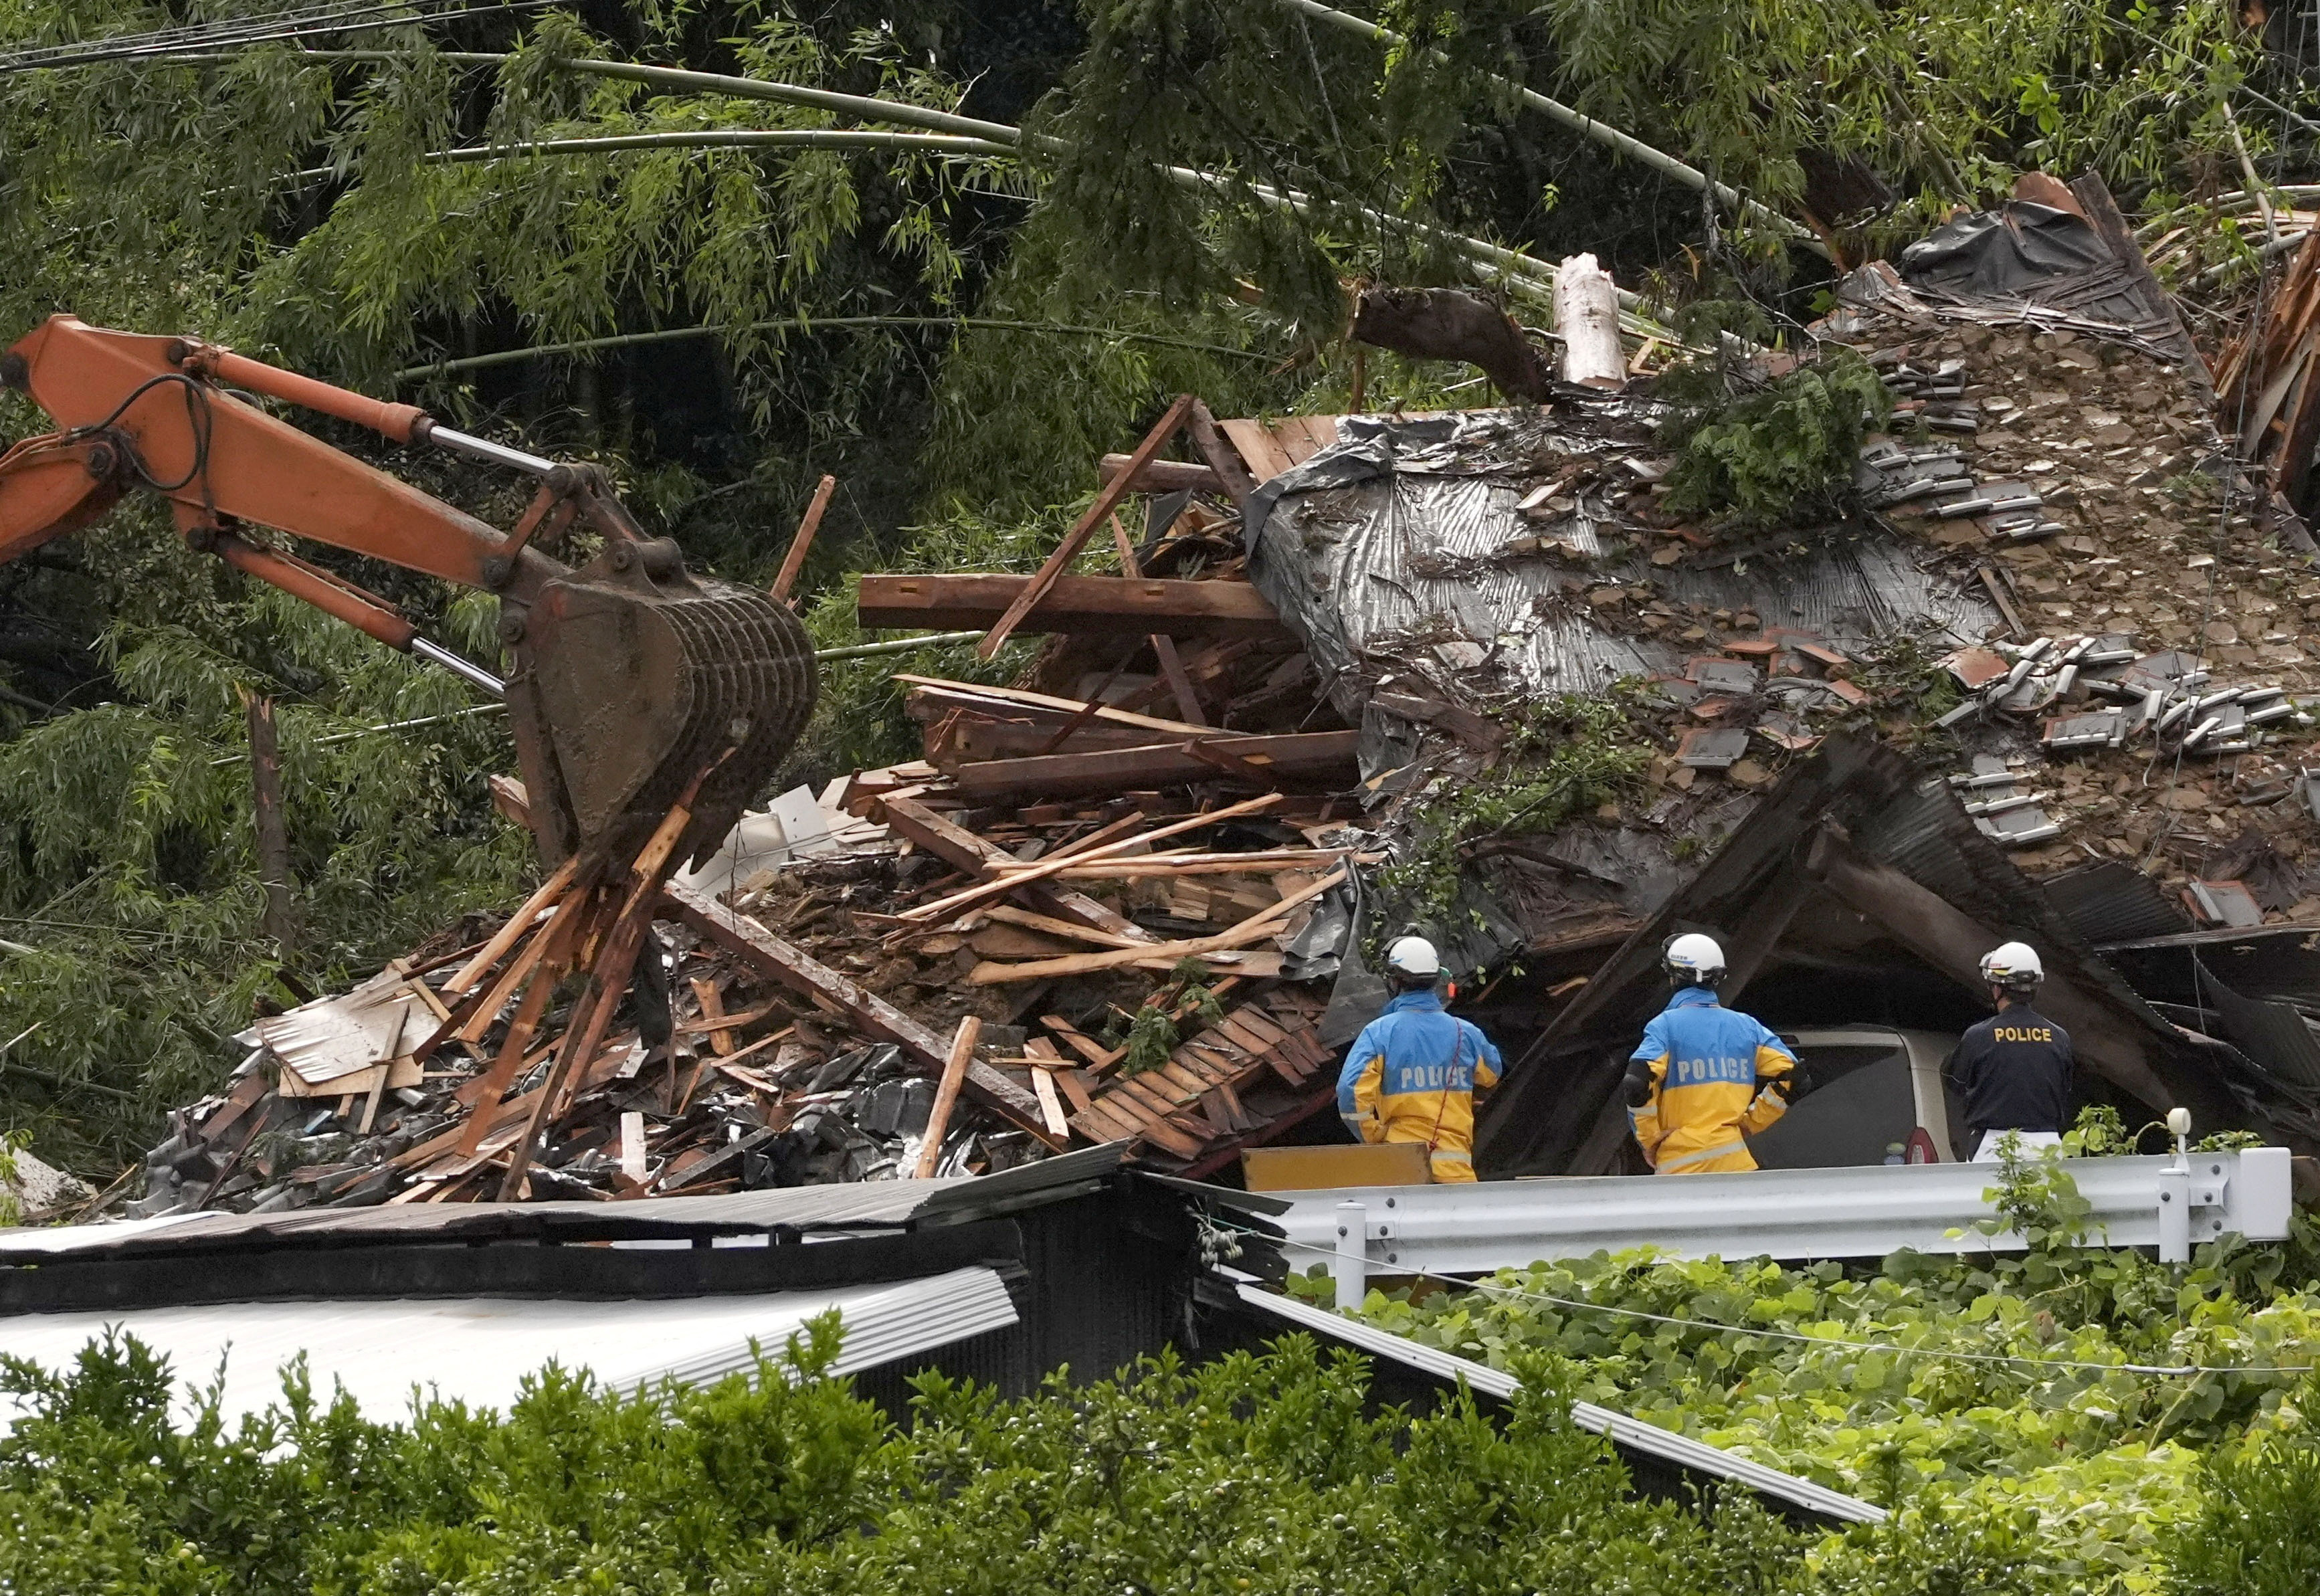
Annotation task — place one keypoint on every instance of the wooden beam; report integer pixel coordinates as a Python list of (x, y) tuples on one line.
[(945, 697), (509, 934), (609, 972), (1164, 647), (1068, 550), (1751, 944), (953, 1071), (1261, 924), (1954, 942), (794, 561), (759, 949), (1101, 606), (1324, 759), (1166, 476), (962, 849), (1209, 443)]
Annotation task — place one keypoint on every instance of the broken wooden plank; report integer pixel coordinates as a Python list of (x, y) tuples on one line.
[(957, 847), (1201, 428), (794, 561), (1043, 1082), (1106, 501), (1254, 928), (954, 1072), (1316, 760), (1263, 453), (714, 1018), (1165, 476), (1096, 606), (749, 941), (942, 908), (977, 699)]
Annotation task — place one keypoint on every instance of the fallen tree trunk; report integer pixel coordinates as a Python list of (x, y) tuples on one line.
[(1587, 316), (1456, 324)]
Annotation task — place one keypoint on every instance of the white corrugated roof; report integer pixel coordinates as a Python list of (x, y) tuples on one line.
[(478, 1349)]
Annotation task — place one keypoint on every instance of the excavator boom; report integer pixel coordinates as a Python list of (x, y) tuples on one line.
[(631, 679)]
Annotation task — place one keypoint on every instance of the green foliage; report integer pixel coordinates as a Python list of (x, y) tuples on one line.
[(1158, 1022), (1778, 454), (2000, 1405), (1251, 1474), (1562, 757), (129, 842), (2258, 1530), (11, 1143)]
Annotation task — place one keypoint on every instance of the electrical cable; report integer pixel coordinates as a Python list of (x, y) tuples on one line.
[(2171, 1370)]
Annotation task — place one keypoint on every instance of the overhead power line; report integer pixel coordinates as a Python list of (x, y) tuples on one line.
[(621, 340)]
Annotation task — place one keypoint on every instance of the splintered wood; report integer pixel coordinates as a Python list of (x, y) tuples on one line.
[(939, 967)]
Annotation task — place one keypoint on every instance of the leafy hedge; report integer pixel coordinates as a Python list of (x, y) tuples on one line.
[(1253, 1473)]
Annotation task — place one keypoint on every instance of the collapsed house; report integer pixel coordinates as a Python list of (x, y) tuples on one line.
[(2044, 681)]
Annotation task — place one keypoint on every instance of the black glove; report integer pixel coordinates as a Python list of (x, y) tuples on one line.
[(1637, 1088), (1793, 1086)]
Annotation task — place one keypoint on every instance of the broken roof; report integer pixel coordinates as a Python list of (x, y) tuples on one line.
[(1500, 557)]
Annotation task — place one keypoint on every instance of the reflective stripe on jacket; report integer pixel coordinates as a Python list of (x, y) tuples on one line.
[(1412, 1075), (1704, 1062)]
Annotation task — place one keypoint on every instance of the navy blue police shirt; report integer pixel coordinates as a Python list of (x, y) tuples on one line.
[(2013, 1072)]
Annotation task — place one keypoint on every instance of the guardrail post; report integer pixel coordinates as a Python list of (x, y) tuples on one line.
[(1350, 1267), (2175, 1214)]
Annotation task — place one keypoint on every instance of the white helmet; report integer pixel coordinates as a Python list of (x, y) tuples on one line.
[(1694, 960), (1414, 957), (2013, 966)]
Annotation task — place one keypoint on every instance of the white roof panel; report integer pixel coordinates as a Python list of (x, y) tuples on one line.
[(479, 1349)]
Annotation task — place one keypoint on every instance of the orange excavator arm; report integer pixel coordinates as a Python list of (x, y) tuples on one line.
[(629, 677)]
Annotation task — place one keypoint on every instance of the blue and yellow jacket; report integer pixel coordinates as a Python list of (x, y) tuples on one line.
[(1705, 1062), (1411, 1077)]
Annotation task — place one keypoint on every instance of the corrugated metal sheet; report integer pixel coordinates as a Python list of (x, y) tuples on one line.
[(479, 1351), (2113, 901), (867, 1204), (2276, 1036)]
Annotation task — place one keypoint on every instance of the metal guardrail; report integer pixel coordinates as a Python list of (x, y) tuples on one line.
[(1784, 1214)]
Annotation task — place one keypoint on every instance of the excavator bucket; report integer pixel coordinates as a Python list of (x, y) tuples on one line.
[(645, 676)]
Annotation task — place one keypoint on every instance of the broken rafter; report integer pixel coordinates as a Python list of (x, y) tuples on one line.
[(1072, 604), (982, 892), (1068, 550), (957, 847), (1307, 759), (1256, 926), (954, 1072), (745, 938)]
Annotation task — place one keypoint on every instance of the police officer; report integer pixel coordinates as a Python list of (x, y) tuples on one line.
[(1413, 1074), (1704, 1076), (2013, 1069)]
